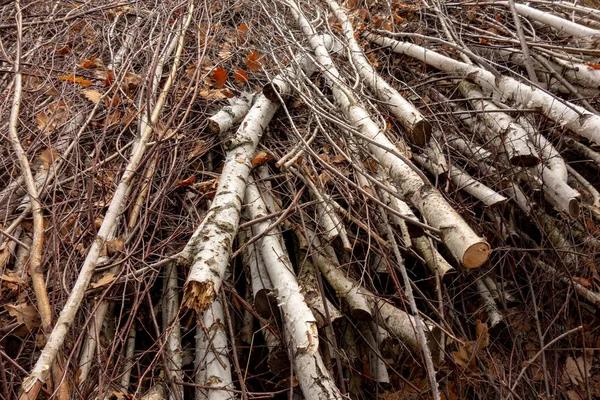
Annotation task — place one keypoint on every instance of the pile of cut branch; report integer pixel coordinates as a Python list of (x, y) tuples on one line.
[(264, 199)]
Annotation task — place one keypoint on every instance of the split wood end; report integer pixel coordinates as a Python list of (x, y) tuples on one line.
[(199, 295)]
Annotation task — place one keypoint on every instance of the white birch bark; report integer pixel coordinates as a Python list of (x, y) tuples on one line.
[(564, 197), (579, 73), (575, 72), (328, 219), (299, 319), (282, 86), (588, 295), (200, 363), (218, 367), (347, 290), (402, 208), (230, 115), (129, 357), (593, 192), (210, 246), (550, 156), (564, 113), (312, 295), (494, 316), (376, 362), (432, 257), (396, 321), (463, 181), (506, 135), (562, 25), (418, 127), (471, 250), (172, 329)]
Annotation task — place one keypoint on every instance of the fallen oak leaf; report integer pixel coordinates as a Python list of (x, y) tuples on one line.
[(92, 95), (89, 63), (220, 77), (76, 79), (241, 76), (25, 314), (575, 370), (261, 158), (186, 182), (48, 157), (253, 61), (106, 279)]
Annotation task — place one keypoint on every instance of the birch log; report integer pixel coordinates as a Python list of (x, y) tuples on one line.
[(230, 115), (259, 278), (218, 367), (564, 113), (419, 129), (508, 136), (209, 249), (301, 327), (562, 25), (471, 250)]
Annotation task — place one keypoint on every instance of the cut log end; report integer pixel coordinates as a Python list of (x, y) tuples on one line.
[(421, 133), (212, 127), (525, 160), (271, 91), (414, 231), (199, 295), (361, 315), (476, 255), (264, 304), (574, 209)]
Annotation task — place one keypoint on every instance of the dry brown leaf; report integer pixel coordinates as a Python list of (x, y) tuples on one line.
[(114, 246), (213, 94), (253, 61), (90, 63), (483, 337), (113, 118), (576, 371), (104, 280), (585, 282), (573, 395), (261, 158), (76, 79), (48, 157), (25, 314), (92, 95), (55, 115), (464, 356), (199, 149), (186, 182), (241, 76), (220, 77)]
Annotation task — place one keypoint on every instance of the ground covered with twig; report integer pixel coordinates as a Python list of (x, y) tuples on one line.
[(277, 199)]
